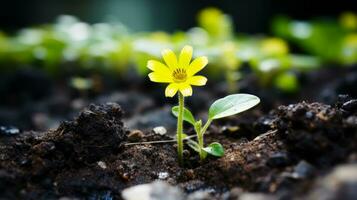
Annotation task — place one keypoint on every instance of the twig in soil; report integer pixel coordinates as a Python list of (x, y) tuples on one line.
[(265, 134), (158, 142)]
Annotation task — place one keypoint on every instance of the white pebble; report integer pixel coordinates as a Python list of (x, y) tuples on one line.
[(163, 175), (160, 130), (138, 192), (102, 164)]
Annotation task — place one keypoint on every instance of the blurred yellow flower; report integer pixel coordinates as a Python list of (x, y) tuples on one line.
[(179, 73), (349, 20), (351, 40), (274, 47), (215, 22)]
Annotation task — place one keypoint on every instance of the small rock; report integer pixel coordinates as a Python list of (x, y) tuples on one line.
[(233, 193), (309, 115), (24, 162), (256, 196), (160, 130), (199, 195), (342, 98), (351, 121), (279, 159), (164, 191), (303, 170), (350, 105), (138, 192), (163, 175), (341, 183), (102, 164), (157, 190), (135, 135), (9, 130), (265, 123), (125, 176), (194, 185)]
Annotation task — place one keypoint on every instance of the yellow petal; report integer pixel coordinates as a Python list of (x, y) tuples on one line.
[(185, 89), (197, 65), (185, 56), (157, 66), (171, 89), (160, 78), (170, 58), (197, 80)]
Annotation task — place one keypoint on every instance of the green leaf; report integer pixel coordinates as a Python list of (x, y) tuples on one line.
[(231, 105), (187, 115), (194, 145), (215, 149)]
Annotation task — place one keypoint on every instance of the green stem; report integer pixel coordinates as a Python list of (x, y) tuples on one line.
[(179, 128), (200, 134)]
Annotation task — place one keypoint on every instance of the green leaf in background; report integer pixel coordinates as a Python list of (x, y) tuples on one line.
[(287, 82), (80, 83), (215, 149), (305, 63), (187, 115), (231, 105)]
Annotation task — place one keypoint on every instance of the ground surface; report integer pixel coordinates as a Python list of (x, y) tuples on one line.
[(283, 149), (88, 157)]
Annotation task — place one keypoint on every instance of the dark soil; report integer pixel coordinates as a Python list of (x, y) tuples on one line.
[(277, 152), (282, 153)]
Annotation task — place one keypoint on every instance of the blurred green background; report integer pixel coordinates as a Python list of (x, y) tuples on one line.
[(276, 39), (250, 16), (67, 53)]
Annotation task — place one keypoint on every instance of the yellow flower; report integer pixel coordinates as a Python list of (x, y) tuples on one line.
[(274, 47), (180, 74), (349, 20)]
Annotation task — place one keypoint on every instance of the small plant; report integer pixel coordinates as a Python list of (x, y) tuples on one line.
[(180, 74), (224, 107)]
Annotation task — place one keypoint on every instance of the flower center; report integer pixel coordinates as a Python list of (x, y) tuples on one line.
[(179, 75)]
